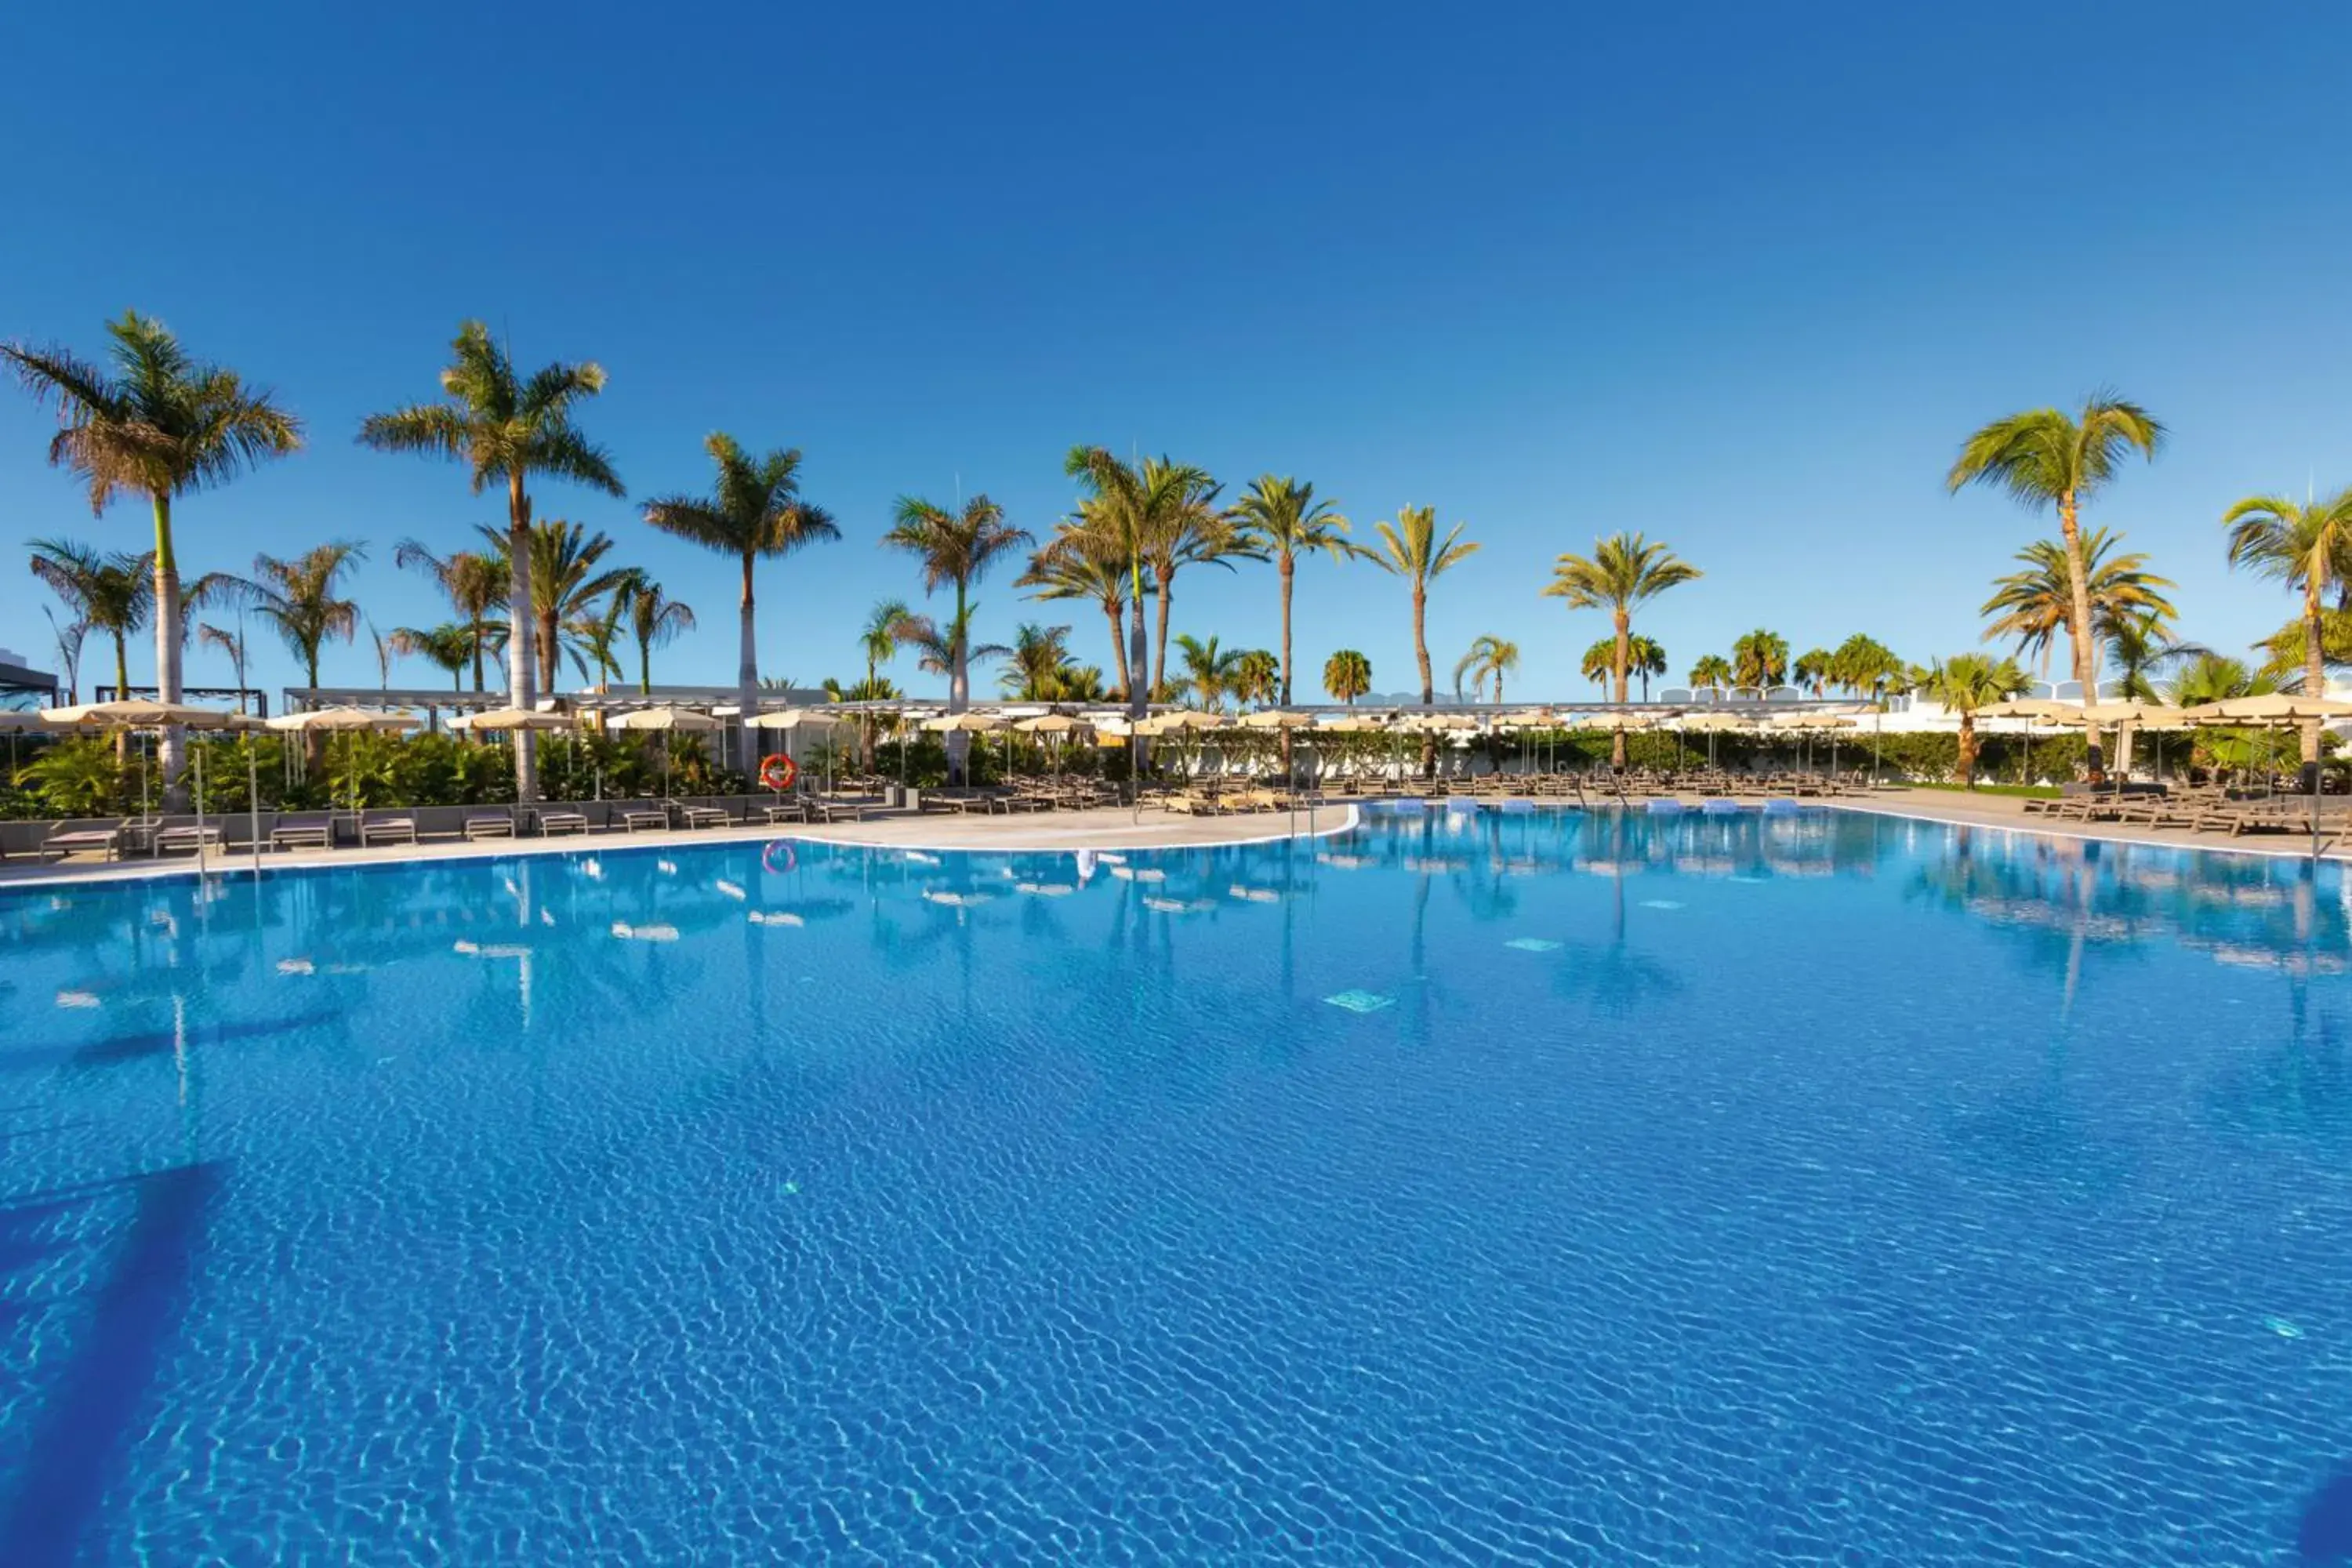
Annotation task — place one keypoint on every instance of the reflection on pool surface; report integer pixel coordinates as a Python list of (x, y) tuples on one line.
[(1541, 1186)]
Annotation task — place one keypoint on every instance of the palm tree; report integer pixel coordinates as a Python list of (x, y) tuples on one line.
[(1712, 673), (1126, 509), (1039, 654), (1598, 665), (1348, 675), (447, 647), (1812, 669), (948, 650), (231, 643), (1411, 549), (2045, 457), (2307, 547), (1257, 678), (956, 549), (1624, 571), (1865, 666), (1760, 660), (474, 582), (2283, 650), (1210, 672), (111, 594), (1963, 684), (156, 422), (1647, 659), (656, 620), (299, 598), (506, 428), (1489, 659), (568, 589), (2139, 650), (385, 653), (1082, 561), (2209, 677), (754, 509), (2032, 606), (1280, 517), (1194, 533), (69, 639)]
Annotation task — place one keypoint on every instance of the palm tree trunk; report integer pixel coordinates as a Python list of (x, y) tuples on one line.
[(473, 624), (1968, 758), (747, 668), (1159, 660), (1289, 566), (521, 672), (2078, 576), (959, 692), (1624, 655), (121, 690), (168, 613), (1118, 642), (1428, 676), (2315, 665)]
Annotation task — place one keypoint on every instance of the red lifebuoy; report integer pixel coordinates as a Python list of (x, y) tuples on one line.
[(778, 772), (768, 858)]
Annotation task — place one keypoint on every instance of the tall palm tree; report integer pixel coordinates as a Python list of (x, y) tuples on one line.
[(1812, 669), (1968, 682), (656, 620), (1489, 659), (301, 598), (2035, 603), (112, 593), (1410, 549), (1760, 660), (1039, 654), (1598, 665), (1083, 560), (447, 647), (1196, 532), (878, 640), (1624, 571), (473, 581), (387, 652), (956, 549), (2045, 457), (595, 638), (1348, 675), (754, 509), (1865, 666), (569, 587), (506, 430), (1712, 673), (2284, 651), (156, 422), (1132, 508), (1280, 517), (1210, 672), (2307, 547)]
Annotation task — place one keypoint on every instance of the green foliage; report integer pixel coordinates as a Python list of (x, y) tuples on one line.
[(76, 776), (1348, 675)]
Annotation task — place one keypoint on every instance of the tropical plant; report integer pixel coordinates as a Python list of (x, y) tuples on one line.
[(594, 637), (2307, 547), (449, 648), (2033, 604), (112, 593), (655, 620), (508, 429), (474, 582), (1866, 667), (570, 588), (1813, 669), (68, 635), (1039, 655), (387, 652), (1410, 549), (2138, 651), (1348, 675), (1711, 673), (2045, 457), (1648, 661), (1967, 683), (956, 549), (1624, 571), (75, 777), (156, 422), (1130, 510), (1760, 660), (1281, 517), (2284, 654), (1210, 672), (231, 643), (299, 598), (1195, 532), (1489, 659), (947, 650), (1082, 561)]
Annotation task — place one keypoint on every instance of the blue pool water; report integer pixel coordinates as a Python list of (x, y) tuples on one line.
[(1541, 1187)]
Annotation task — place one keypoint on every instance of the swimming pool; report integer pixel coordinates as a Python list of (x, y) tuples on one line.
[(1539, 1187)]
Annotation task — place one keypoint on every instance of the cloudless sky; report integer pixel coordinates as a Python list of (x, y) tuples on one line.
[(1741, 276)]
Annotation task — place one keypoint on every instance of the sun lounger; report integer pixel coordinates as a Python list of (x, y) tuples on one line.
[(824, 809), (388, 830), (552, 823), (75, 841), (703, 817), (489, 825), (184, 836), (641, 819), (304, 830), (787, 811)]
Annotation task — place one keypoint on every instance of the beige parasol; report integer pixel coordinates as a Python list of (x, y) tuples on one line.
[(682, 721)]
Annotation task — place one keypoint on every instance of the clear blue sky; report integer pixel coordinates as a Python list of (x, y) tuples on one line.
[(1739, 276)]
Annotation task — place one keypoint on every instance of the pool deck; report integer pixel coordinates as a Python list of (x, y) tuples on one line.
[(1118, 828)]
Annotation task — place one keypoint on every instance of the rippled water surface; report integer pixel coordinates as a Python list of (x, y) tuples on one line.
[(1537, 1187)]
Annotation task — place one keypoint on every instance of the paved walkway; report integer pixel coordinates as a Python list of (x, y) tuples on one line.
[(1113, 828)]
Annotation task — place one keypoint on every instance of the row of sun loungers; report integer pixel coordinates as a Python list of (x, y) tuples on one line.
[(2203, 811)]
